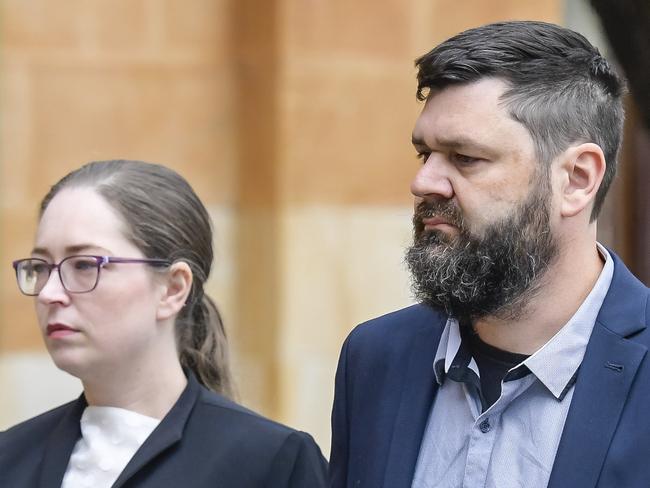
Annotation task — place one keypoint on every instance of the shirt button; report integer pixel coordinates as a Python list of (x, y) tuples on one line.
[(484, 426)]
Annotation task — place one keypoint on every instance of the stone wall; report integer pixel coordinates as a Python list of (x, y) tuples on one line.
[(292, 120)]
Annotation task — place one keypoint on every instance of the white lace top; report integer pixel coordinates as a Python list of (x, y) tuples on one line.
[(110, 437)]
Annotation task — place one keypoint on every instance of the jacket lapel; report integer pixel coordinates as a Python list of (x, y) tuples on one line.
[(604, 380), (169, 432), (60, 444), (417, 396)]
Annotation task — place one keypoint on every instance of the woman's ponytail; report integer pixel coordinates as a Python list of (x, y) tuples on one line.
[(203, 346)]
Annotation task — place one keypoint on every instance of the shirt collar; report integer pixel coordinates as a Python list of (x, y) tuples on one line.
[(556, 363), (453, 353)]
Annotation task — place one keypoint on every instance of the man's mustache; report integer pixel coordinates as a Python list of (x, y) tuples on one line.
[(442, 209)]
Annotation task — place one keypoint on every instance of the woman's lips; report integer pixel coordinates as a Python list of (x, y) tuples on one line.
[(59, 330)]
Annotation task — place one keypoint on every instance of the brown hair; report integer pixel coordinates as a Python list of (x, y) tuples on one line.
[(166, 220)]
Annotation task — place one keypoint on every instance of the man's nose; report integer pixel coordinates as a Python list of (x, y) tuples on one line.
[(432, 179)]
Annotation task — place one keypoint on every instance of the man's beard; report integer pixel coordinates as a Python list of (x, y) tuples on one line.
[(495, 274)]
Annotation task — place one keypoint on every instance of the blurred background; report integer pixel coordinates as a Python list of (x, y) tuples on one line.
[(292, 120)]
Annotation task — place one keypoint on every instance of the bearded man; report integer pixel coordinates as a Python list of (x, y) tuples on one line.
[(525, 363)]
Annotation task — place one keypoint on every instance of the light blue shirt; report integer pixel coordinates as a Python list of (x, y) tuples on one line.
[(513, 443)]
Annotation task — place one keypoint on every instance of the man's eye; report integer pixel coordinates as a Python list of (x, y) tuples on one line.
[(423, 156), (463, 158)]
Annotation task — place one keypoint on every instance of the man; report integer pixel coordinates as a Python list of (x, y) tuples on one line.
[(525, 364)]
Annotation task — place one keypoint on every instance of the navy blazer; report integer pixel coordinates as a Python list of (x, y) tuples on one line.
[(204, 441), (385, 386)]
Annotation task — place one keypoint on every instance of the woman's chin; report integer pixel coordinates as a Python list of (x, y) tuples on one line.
[(70, 363)]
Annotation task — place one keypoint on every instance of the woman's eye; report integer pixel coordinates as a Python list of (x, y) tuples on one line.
[(38, 268), (84, 264)]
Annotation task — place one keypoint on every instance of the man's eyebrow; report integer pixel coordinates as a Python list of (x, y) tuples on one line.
[(462, 142), (416, 141), (458, 143)]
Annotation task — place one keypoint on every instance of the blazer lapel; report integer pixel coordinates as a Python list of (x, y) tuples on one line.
[(604, 380), (417, 396), (60, 444), (169, 432)]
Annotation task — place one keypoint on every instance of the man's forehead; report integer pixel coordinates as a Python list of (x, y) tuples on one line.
[(465, 115), (498, 82)]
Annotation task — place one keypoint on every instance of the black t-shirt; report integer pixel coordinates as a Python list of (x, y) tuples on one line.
[(493, 364)]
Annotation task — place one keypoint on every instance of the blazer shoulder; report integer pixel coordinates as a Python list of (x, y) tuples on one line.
[(217, 408), (23, 445), (286, 453), (40, 425), (401, 325)]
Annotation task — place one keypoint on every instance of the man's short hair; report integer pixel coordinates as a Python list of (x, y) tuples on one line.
[(560, 87)]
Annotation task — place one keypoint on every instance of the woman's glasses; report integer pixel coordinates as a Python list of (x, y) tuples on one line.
[(78, 274)]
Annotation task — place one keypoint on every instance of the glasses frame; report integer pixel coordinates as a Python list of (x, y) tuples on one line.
[(101, 261)]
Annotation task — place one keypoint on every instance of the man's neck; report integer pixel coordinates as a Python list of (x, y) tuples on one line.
[(565, 285)]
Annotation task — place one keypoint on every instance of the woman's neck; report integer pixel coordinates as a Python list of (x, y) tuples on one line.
[(150, 391)]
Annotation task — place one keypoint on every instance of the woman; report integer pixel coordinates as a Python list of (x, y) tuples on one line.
[(121, 255)]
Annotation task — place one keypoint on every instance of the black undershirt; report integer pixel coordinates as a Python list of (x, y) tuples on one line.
[(493, 364)]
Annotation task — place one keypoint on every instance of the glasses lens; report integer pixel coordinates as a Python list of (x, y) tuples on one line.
[(79, 273), (32, 274)]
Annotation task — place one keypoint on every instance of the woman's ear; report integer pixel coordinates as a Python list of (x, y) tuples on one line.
[(177, 284), (582, 169)]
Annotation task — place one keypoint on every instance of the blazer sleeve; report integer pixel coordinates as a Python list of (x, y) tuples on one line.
[(339, 449), (298, 464)]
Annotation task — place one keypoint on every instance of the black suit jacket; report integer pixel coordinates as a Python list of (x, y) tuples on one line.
[(204, 441), (385, 387)]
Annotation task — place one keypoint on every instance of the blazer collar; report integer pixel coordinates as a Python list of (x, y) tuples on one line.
[(625, 308), (59, 445), (603, 384), (418, 389), (169, 431), (65, 435)]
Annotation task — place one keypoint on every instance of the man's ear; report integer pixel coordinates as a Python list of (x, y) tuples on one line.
[(582, 168), (176, 287)]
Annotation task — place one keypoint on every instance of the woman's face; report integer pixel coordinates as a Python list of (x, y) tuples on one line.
[(113, 327)]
